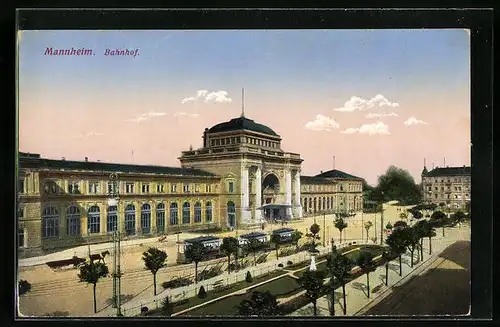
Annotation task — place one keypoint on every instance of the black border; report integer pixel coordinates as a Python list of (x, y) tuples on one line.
[(480, 21)]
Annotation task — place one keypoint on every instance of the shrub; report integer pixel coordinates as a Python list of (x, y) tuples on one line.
[(166, 307), (24, 286), (144, 310), (202, 293), (289, 263), (280, 265), (249, 278)]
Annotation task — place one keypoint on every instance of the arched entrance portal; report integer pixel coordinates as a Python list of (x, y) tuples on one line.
[(270, 189)]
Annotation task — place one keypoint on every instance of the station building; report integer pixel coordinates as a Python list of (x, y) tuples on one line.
[(238, 179)]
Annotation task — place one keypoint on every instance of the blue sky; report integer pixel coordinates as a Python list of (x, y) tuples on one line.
[(289, 76)]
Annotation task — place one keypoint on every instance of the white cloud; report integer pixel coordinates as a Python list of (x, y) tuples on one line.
[(357, 103), (413, 121), (378, 115), (206, 96), (322, 123), (146, 116), (186, 100), (185, 114), (378, 128)]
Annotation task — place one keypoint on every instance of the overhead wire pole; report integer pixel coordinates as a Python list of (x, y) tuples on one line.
[(116, 245)]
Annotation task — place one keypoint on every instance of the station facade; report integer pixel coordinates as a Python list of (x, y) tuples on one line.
[(239, 178)]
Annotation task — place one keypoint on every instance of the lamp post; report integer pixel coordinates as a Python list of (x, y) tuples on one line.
[(113, 201)]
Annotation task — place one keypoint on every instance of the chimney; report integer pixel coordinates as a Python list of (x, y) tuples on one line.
[(86, 159)]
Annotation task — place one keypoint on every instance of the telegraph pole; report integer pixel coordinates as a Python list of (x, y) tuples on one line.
[(116, 245)]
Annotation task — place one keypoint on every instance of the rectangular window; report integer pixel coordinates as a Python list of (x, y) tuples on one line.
[(145, 188), (185, 188), (129, 187), (230, 187), (460, 188), (197, 188), (21, 212), (173, 188), (73, 188), (21, 186), (159, 188), (93, 187)]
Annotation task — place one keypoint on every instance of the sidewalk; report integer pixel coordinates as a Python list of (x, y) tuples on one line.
[(356, 300)]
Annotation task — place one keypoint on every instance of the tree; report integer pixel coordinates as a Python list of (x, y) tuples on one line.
[(196, 252), (412, 240), (367, 226), (154, 259), (387, 256), (403, 215), (260, 304), (296, 236), (397, 244), (90, 273), (421, 228), (202, 293), (416, 214), (365, 262), (253, 246), (249, 277), (428, 231), (398, 184), (340, 268), (276, 240), (228, 247), (388, 226), (400, 224), (340, 224), (439, 219), (458, 217), (312, 282), (313, 235)]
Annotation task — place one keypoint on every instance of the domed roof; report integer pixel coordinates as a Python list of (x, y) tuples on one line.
[(242, 123)]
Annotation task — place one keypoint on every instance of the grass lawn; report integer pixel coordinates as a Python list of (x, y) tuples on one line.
[(282, 287), (193, 301)]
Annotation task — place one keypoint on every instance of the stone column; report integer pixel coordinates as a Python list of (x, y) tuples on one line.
[(153, 218), (245, 212), (258, 195), (288, 192), (298, 206)]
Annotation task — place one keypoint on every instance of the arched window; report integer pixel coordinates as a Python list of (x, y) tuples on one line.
[(314, 204), (231, 214), (160, 217), (146, 218), (305, 204), (174, 214), (112, 219), (73, 221), (208, 211), (197, 212), (50, 222), (186, 213), (94, 220), (130, 219)]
